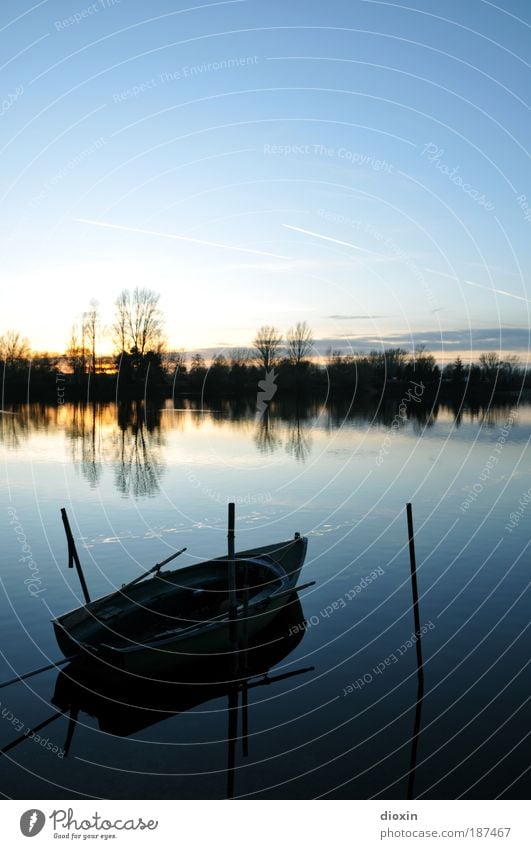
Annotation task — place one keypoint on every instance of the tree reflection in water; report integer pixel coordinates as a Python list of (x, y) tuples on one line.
[(137, 458), (125, 437), (129, 438), (266, 437)]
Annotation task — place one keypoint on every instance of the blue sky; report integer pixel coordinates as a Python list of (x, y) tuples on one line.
[(359, 165)]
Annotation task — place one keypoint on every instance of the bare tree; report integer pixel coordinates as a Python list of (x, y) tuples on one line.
[(490, 365), (74, 352), (300, 342), (239, 357), (91, 327), (177, 361), (14, 348), (121, 322), (267, 343), (138, 322), (145, 321)]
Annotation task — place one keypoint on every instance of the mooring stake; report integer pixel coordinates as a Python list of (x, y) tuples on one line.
[(73, 557)]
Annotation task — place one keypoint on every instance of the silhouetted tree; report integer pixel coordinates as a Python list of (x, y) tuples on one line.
[(421, 365), (91, 326), (14, 349), (490, 365), (300, 343), (267, 343), (139, 340), (239, 357), (197, 373), (458, 371), (75, 355), (138, 322)]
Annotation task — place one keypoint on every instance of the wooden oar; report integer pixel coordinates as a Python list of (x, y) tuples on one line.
[(53, 665), (154, 568)]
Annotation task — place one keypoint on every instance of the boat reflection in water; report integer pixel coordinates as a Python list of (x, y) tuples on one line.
[(122, 706)]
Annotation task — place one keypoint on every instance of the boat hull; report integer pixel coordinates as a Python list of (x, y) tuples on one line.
[(92, 632)]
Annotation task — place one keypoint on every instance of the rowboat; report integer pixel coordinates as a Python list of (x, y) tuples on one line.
[(179, 616), (123, 708)]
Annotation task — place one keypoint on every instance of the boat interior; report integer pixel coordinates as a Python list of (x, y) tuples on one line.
[(167, 602)]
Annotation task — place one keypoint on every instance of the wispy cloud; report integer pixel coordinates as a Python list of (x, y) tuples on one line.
[(476, 339)]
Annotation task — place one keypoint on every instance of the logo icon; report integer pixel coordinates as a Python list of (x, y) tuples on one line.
[(32, 822), (267, 389)]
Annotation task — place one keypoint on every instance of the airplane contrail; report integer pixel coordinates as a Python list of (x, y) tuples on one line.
[(498, 291), (177, 238), (328, 238), (450, 276)]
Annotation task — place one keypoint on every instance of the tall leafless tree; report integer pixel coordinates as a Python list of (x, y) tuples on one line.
[(75, 352), (91, 327), (138, 322), (267, 343), (121, 324), (14, 348), (300, 342)]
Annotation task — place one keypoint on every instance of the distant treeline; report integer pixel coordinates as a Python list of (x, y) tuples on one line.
[(392, 371), (274, 367)]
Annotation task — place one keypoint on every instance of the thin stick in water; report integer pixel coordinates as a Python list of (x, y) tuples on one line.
[(416, 611), (73, 556)]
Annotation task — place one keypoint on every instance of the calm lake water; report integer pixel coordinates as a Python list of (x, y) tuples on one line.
[(140, 484)]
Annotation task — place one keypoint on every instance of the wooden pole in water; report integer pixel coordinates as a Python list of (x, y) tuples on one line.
[(416, 611), (231, 563), (73, 556), (420, 667), (231, 580)]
